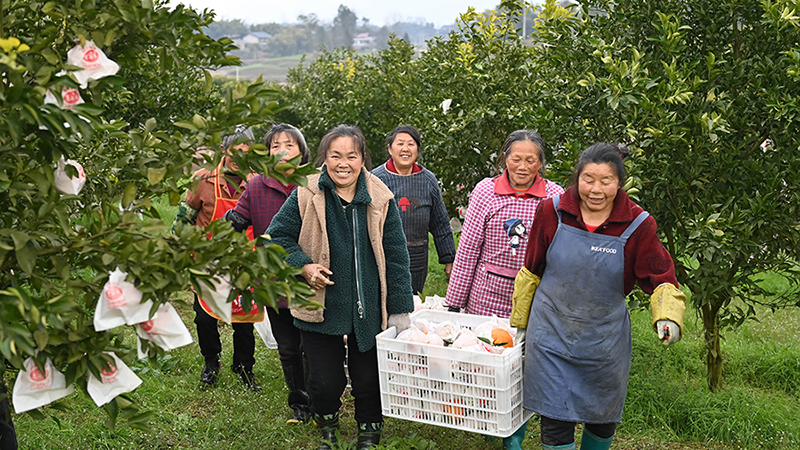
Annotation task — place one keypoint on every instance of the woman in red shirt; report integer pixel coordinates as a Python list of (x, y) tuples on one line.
[(587, 249)]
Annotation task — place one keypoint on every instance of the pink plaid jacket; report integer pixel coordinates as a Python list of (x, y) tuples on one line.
[(483, 274)]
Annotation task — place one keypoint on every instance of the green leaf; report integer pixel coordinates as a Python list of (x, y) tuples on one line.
[(128, 195), (108, 258), (150, 125), (199, 122), (186, 125), (36, 414), (48, 8), (41, 337), (20, 239), (155, 174), (111, 34), (26, 258)]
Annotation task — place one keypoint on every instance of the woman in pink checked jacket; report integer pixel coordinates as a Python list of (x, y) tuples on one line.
[(494, 235)]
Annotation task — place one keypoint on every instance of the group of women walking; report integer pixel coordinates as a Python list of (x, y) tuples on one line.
[(557, 263)]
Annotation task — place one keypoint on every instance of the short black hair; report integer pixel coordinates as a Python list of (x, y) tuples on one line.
[(292, 131), (405, 129), (344, 130), (603, 153)]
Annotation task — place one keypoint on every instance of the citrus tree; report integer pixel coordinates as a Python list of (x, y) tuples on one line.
[(706, 94), (57, 249)]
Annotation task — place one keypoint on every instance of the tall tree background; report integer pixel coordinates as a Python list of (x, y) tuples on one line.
[(344, 27)]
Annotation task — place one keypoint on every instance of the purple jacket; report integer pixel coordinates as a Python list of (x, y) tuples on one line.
[(260, 201)]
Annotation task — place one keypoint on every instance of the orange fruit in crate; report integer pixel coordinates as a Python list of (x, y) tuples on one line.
[(502, 338), (454, 410)]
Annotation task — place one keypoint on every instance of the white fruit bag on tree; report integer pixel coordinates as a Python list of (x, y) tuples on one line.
[(120, 304), (94, 62), (117, 380), (65, 183), (165, 329), (70, 97), (33, 389)]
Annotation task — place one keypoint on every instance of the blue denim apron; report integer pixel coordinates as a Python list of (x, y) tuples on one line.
[(578, 342)]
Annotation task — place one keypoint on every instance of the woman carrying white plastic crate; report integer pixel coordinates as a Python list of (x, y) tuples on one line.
[(587, 249), (489, 255), (345, 231)]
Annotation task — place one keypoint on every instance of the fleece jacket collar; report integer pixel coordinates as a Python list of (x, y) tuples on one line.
[(362, 194)]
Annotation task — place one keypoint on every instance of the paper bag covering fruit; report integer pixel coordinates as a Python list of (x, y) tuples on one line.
[(493, 336), (120, 304), (165, 329), (70, 97), (33, 388), (113, 381), (65, 183), (215, 298), (93, 61)]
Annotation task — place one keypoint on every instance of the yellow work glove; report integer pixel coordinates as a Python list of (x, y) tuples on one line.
[(668, 303), (525, 285)]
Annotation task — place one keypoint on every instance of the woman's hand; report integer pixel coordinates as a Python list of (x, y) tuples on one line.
[(316, 276), (448, 269)]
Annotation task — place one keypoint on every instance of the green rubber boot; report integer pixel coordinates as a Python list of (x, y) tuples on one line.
[(514, 442), (591, 442), (559, 447)]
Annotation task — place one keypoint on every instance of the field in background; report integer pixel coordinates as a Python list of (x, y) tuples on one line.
[(274, 69)]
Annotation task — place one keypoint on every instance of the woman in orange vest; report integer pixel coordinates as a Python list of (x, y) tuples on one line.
[(216, 193)]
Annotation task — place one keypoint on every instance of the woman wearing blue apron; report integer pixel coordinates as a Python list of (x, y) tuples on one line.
[(587, 250)]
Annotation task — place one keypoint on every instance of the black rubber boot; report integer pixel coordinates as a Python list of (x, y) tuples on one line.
[(298, 397), (247, 377), (210, 370), (369, 435), (328, 425)]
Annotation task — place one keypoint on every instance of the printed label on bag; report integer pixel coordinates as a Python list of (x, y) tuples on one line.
[(149, 327), (90, 57), (39, 381), (71, 96), (108, 376), (115, 296)]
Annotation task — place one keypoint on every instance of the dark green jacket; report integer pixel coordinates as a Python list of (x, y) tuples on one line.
[(363, 244)]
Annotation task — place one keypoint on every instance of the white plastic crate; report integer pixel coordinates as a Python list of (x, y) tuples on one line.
[(454, 388)]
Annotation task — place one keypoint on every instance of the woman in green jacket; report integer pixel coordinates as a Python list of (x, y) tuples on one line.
[(344, 230)]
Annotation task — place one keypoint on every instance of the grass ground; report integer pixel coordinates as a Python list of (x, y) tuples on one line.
[(668, 405)]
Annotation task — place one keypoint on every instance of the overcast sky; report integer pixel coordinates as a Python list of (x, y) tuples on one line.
[(379, 12)]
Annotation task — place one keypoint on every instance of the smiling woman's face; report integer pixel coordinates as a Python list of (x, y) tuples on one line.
[(523, 163), (344, 162), (404, 152), (598, 185)]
